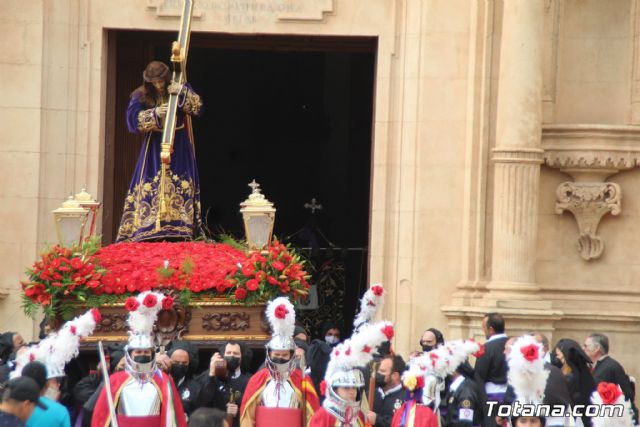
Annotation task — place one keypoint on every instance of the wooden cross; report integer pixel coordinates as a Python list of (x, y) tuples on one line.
[(179, 51)]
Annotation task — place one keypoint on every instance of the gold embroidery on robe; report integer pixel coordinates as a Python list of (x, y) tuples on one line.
[(142, 207), (192, 102), (147, 120)]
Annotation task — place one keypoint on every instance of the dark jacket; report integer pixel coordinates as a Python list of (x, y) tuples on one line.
[(386, 406), (492, 366), (464, 405), (216, 393), (610, 371)]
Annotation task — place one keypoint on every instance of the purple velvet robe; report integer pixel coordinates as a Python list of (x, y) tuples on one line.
[(182, 219)]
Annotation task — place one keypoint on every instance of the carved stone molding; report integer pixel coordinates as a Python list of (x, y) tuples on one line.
[(589, 202), (248, 11), (591, 152), (226, 321)]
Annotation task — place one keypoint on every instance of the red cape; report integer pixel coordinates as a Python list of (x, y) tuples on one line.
[(253, 392), (102, 417), (424, 416), (322, 418)]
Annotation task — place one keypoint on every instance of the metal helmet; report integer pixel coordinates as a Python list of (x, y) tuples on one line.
[(344, 410), (140, 371)]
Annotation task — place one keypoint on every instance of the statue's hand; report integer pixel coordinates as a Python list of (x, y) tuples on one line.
[(174, 88), (161, 111)]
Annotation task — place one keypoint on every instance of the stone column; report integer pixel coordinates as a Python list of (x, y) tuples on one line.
[(518, 154)]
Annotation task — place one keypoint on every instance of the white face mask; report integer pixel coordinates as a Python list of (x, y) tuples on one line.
[(52, 393), (330, 339)]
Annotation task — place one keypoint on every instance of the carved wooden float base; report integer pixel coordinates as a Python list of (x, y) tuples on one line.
[(204, 320)]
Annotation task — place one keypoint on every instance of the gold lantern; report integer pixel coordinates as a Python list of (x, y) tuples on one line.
[(86, 201), (70, 220), (259, 216)]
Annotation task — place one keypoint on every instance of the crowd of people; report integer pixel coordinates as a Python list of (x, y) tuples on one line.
[(327, 381)]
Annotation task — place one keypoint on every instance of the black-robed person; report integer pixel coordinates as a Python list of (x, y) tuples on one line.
[(491, 367), (215, 391), (390, 394), (184, 365)]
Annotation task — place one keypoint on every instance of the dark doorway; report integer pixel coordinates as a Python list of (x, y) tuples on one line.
[(295, 113)]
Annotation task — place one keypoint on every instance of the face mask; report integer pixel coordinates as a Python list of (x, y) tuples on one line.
[(380, 380), (52, 393), (331, 340), (142, 359), (279, 360), (427, 348), (232, 363), (179, 371)]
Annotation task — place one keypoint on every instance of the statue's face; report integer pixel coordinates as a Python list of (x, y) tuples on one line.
[(159, 84)]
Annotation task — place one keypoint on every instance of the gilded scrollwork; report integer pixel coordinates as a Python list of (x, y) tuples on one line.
[(226, 321), (143, 201)]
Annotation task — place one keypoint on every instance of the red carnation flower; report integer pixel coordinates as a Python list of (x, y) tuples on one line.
[(252, 284), (377, 290), (248, 270), (97, 316), (73, 329), (240, 294), (530, 352), (420, 383), (167, 303), (150, 301), (77, 263), (281, 311), (221, 287), (388, 332), (609, 393), (131, 304), (366, 349), (277, 265), (273, 281)]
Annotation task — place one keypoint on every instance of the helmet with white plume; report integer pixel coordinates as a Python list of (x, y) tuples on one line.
[(143, 312), (527, 374), (59, 347), (342, 371), (371, 302), (282, 318), (611, 394)]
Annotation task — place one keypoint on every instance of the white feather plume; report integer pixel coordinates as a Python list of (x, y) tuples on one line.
[(281, 326), (142, 319), (358, 350), (370, 304), (59, 347), (614, 420), (527, 377)]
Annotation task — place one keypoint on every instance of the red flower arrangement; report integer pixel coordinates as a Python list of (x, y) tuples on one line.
[(281, 311), (93, 276), (60, 276)]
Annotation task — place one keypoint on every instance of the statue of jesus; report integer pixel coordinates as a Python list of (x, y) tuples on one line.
[(143, 219)]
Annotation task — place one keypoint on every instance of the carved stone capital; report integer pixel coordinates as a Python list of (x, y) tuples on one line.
[(589, 202)]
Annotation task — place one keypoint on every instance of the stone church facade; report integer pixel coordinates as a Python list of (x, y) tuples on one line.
[(506, 140)]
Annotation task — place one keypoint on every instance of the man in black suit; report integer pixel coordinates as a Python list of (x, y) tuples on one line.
[(606, 368), (390, 393), (491, 367)]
